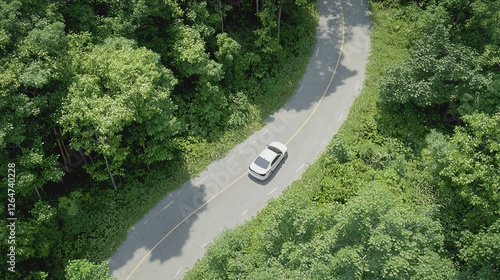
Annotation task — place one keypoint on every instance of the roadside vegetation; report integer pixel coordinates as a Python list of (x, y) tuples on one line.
[(106, 106), (409, 188)]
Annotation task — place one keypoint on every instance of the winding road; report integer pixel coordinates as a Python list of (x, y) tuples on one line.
[(174, 234)]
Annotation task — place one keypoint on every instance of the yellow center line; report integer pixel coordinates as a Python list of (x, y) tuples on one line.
[(232, 183)]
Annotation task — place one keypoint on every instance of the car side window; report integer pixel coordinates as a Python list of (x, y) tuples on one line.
[(275, 159)]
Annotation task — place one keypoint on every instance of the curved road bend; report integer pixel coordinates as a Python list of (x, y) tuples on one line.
[(173, 235)]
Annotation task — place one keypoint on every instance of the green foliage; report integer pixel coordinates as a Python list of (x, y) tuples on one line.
[(228, 51), (38, 235), (82, 269), (467, 166), (207, 110), (390, 240), (473, 169), (190, 56), (234, 61), (482, 32), (37, 170), (377, 157), (209, 106), (339, 150), (342, 181), (46, 41), (481, 252), (117, 86), (437, 72), (73, 217), (27, 99), (80, 17), (139, 86), (240, 110), (371, 236)]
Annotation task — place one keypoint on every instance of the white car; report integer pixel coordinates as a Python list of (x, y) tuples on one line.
[(262, 167)]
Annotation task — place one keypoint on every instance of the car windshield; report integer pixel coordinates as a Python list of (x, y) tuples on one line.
[(274, 149), (262, 162)]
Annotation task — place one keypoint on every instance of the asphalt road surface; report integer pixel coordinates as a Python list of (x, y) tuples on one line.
[(174, 234)]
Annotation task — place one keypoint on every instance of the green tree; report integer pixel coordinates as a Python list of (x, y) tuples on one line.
[(206, 103), (271, 18), (118, 86), (481, 253), (71, 84), (465, 170), (37, 237), (40, 233), (83, 269), (36, 170), (228, 55), (482, 32), (74, 218), (473, 170), (28, 103), (437, 72), (374, 235)]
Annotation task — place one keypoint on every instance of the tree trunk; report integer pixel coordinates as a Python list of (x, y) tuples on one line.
[(279, 20), (110, 174), (107, 166), (37, 192), (83, 156), (221, 15), (64, 146), (62, 151), (147, 165)]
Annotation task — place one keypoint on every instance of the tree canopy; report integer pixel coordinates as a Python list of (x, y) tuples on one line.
[(102, 103)]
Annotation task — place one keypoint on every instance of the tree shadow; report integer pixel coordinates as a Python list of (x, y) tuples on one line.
[(332, 38), (172, 217)]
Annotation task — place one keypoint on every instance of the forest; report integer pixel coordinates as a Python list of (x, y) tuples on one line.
[(410, 186), (106, 106)]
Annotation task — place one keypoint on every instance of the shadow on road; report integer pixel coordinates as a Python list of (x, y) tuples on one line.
[(179, 206), (326, 53)]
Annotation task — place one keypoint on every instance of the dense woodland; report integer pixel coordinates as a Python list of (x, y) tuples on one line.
[(410, 186), (107, 105)]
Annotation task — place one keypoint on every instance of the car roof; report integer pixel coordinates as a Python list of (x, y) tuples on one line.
[(268, 154)]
